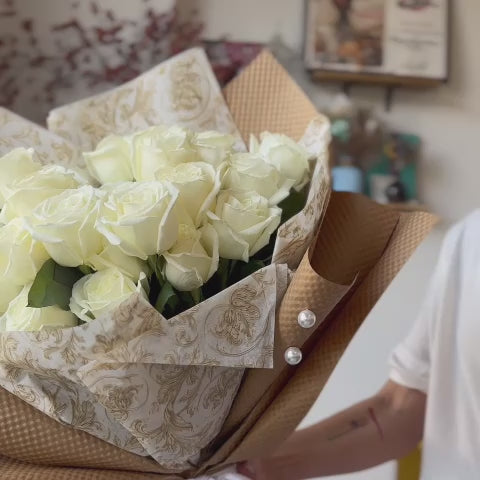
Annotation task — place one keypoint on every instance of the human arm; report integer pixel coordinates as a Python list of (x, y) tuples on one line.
[(383, 427)]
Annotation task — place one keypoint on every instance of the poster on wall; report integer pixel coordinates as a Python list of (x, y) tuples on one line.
[(400, 38)]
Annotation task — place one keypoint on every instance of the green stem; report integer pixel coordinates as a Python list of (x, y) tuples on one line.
[(197, 295), (223, 271)]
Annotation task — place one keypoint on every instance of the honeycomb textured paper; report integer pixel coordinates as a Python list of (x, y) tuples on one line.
[(265, 96)]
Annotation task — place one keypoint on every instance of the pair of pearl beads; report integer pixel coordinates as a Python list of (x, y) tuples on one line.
[(306, 319)]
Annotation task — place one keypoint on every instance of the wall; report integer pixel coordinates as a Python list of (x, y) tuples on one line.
[(448, 119), (55, 51)]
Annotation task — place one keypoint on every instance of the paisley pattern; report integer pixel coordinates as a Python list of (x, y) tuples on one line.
[(295, 236), (144, 383), (196, 336), (181, 90), (18, 132)]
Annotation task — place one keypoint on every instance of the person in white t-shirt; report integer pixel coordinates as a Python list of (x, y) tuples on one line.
[(433, 393)]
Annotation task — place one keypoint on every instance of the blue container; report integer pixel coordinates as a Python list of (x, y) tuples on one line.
[(347, 179)]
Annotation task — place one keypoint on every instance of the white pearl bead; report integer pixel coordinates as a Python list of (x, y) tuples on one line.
[(293, 355), (306, 319)]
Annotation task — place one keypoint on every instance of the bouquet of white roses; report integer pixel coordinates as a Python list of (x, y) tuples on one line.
[(170, 214), (167, 250), (177, 299)]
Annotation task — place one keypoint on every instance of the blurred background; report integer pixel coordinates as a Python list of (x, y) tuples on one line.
[(404, 103)]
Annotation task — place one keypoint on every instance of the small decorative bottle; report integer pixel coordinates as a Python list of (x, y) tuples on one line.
[(346, 176)]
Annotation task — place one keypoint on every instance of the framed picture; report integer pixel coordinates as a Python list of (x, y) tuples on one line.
[(382, 41)]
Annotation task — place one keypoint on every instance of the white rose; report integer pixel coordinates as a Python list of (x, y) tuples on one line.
[(112, 256), (213, 147), (101, 292), (198, 184), (247, 173), (65, 224), (23, 195), (21, 317), (158, 148), (244, 222), (286, 155), (111, 162), (17, 164), (140, 218), (21, 257), (194, 257)]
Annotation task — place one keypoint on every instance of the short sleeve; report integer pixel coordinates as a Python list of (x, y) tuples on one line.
[(410, 362)]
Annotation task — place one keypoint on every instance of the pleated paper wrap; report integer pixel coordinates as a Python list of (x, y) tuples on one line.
[(358, 250)]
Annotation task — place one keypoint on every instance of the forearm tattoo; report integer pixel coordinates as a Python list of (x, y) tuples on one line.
[(357, 423)]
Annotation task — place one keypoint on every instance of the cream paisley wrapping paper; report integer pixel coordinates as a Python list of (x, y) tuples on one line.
[(149, 385), (16, 131), (295, 236), (146, 384), (180, 91)]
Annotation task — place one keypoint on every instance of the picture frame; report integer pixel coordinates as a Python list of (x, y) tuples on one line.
[(386, 42)]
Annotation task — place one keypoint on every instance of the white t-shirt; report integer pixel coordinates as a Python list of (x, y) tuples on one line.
[(441, 357)]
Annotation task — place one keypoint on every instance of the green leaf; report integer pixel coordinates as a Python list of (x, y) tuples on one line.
[(186, 300), (167, 296), (156, 263), (233, 264), (53, 286), (224, 271), (151, 262), (293, 204), (39, 286), (290, 206), (86, 270), (197, 295), (251, 267)]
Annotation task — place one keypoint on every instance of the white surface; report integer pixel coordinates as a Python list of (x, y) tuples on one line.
[(448, 119), (252, 20)]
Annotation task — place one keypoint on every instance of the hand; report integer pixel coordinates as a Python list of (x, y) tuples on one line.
[(254, 470)]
